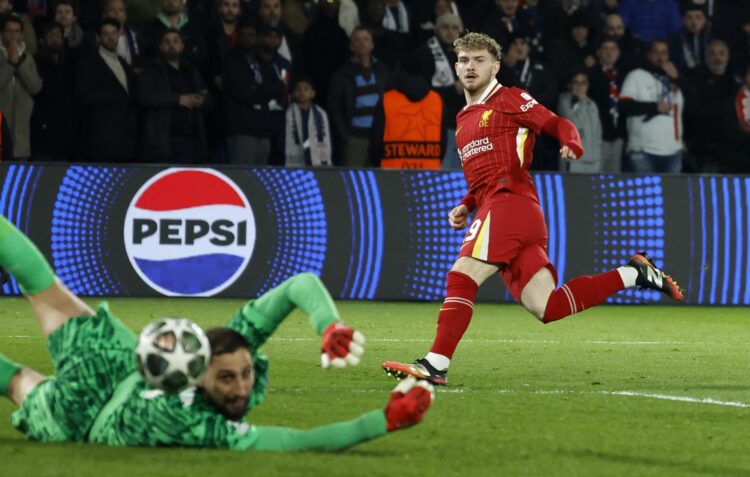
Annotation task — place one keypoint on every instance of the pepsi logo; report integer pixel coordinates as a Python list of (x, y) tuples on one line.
[(189, 232)]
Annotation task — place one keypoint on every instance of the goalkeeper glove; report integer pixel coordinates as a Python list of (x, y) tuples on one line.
[(409, 403), (341, 346)]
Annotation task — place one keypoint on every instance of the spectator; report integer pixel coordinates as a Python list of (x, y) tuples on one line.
[(397, 17), (65, 15), (505, 21), (436, 60), (19, 83), (223, 36), (575, 105), (268, 52), (408, 130), (270, 14), (29, 37), (172, 15), (710, 123), (688, 46), (426, 13), (651, 20), (631, 48), (606, 79), (348, 16), (105, 91), (389, 46), (251, 89), (55, 118), (308, 133), (652, 99), (173, 99), (575, 51), (324, 48), (128, 44), (355, 90), (6, 140)]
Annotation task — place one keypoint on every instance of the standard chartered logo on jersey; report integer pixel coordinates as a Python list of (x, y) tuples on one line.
[(475, 147), (189, 232)]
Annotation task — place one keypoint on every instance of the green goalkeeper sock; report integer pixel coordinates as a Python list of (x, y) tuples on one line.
[(8, 369), (21, 258)]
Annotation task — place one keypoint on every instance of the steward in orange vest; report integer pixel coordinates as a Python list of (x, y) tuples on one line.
[(408, 127)]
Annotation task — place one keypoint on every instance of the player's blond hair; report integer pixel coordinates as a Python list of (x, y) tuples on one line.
[(478, 41)]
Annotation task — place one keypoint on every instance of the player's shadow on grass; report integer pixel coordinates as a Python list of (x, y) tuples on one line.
[(658, 462)]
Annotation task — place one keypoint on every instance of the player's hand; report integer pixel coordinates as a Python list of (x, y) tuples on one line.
[(458, 217), (341, 346), (408, 404), (567, 153)]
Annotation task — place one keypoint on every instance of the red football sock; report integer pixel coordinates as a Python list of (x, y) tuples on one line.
[(581, 293), (455, 314)]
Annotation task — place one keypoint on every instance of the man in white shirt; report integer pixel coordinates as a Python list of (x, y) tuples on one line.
[(652, 99)]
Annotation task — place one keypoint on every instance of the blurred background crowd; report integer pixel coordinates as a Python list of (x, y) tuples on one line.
[(652, 85)]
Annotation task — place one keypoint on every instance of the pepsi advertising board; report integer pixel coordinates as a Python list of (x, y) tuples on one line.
[(369, 234)]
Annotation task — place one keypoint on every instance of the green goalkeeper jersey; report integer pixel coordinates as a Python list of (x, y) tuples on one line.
[(138, 415)]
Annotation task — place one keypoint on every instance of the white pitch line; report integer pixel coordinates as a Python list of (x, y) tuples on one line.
[(664, 397), (668, 397), (511, 341)]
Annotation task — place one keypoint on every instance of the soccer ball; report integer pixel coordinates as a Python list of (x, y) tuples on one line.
[(172, 354)]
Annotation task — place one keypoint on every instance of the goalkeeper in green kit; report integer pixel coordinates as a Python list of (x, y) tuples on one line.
[(98, 395)]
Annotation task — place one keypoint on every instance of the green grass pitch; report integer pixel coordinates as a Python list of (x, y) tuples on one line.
[(615, 391)]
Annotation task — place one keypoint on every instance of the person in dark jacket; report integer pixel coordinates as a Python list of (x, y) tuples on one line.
[(252, 89), (105, 88), (54, 119), (173, 99), (355, 90), (172, 15)]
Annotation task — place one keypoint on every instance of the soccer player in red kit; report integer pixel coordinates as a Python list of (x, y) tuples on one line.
[(495, 136)]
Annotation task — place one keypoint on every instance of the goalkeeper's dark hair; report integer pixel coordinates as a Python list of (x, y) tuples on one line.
[(225, 340)]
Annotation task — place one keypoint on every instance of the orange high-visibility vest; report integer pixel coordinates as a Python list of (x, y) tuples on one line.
[(411, 139)]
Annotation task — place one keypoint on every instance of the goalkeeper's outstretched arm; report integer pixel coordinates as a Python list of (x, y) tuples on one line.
[(258, 319), (408, 404)]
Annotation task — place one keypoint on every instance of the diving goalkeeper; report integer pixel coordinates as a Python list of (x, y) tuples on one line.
[(98, 395)]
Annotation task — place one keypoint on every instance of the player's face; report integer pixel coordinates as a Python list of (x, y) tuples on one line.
[(229, 10), (228, 382), (475, 69)]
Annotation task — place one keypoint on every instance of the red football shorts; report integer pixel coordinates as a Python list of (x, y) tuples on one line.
[(509, 229)]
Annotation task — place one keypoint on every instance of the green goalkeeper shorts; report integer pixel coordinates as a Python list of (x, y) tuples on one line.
[(90, 355)]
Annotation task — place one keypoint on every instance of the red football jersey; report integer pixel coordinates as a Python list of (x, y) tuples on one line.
[(495, 139)]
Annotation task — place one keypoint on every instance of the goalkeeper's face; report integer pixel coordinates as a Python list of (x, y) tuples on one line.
[(228, 382), (475, 69)]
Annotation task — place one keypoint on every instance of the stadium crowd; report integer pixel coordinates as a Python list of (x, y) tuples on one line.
[(652, 85)]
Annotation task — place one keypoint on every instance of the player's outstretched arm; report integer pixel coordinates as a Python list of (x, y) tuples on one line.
[(566, 133), (52, 302), (341, 344), (408, 404)]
